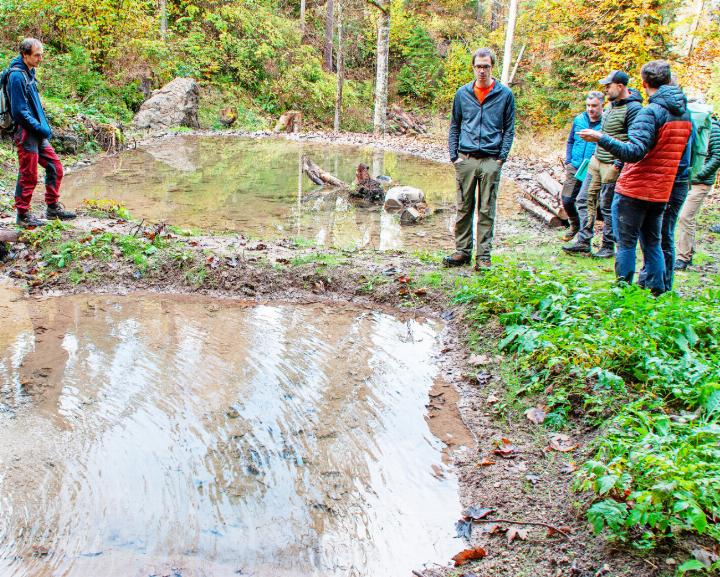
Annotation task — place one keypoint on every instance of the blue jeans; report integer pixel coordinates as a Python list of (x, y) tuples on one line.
[(634, 220), (669, 220)]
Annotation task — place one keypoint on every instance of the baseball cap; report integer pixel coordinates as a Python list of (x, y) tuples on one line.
[(616, 76)]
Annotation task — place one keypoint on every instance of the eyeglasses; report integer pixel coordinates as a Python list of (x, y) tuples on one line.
[(482, 67)]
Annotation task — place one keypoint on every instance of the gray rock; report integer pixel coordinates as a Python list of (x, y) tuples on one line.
[(175, 104)]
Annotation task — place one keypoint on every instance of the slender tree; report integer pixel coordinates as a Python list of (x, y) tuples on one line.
[(329, 27), (302, 18), (496, 13), (509, 35), (340, 61), (381, 67), (163, 19)]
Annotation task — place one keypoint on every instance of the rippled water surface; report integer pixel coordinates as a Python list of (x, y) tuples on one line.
[(176, 436)]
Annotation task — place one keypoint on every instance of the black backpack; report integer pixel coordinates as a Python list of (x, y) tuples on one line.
[(7, 123)]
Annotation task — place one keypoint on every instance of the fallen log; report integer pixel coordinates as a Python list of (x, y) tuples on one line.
[(319, 176), (540, 212), (547, 203), (550, 184)]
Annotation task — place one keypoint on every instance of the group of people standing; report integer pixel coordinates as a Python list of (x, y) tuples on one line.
[(629, 164)]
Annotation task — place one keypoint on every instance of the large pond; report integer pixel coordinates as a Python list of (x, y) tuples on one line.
[(180, 436), (256, 187)]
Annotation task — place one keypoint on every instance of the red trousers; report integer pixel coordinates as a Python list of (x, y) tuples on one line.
[(31, 152)]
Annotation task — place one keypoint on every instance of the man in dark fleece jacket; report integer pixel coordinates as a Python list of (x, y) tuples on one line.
[(32, 138), (604, 168), (482, 128), (656, 142)]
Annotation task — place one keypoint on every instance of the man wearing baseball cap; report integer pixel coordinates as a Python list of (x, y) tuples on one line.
[(604, 168)]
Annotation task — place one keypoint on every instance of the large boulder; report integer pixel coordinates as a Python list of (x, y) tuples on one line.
[(175, 104)]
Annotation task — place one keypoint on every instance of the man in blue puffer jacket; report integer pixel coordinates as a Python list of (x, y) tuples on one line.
[(32, 138), (576, 152)]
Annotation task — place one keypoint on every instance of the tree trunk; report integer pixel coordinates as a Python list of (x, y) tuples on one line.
[(479, 12), (329, 27), (381, 74), (302, 19), (535, 209), (496, 11), (340, 68), (509, 35), (163, 19)]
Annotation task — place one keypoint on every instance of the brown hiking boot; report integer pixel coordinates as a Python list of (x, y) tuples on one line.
[(482, 264), (570, 234), (456, 259)]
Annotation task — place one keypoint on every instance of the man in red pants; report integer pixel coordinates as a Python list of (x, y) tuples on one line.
[(32, 138)]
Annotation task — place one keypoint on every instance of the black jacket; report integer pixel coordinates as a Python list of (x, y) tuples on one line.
[(487, 128)]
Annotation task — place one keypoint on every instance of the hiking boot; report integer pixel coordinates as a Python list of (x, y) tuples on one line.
[(570, 234), (482, 264), (29, 220), (577, 248), (456, 259), (681, 264), (57, 210), (605, 252), (715, 228)]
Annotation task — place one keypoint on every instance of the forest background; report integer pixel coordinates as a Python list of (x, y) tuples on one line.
[(264, 57)]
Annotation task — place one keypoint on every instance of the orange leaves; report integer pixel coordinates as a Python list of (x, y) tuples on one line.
[(468, 555)]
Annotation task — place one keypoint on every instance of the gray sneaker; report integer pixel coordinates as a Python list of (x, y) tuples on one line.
[(605, 252), (29, 220), (577, 248)]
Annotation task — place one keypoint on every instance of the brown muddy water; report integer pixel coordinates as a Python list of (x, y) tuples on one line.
[(160, 435), (256, 187)]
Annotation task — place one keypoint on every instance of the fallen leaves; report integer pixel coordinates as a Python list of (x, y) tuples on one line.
[(516, 533), (486, 462), (506, 449), (476, 513), (562, 443), (468, 555), (492, 399), (477, 360), (535, 415)]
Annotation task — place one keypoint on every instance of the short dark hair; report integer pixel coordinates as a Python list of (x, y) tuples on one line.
[(656, 73), (26, 46), (483, 52)]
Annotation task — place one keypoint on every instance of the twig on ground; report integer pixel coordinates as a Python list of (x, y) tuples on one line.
[(513, 522)]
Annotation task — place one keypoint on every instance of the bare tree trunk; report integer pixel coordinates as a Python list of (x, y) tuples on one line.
[(509, 35), (340, 68), (479, 12), (381, 75), (329, 27), (163, 19), (302, 18), (496, 11)]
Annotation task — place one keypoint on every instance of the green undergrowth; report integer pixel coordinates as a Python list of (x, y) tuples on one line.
[(645, 371)]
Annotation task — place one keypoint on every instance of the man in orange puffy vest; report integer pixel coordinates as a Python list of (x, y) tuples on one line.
[(656, 142)]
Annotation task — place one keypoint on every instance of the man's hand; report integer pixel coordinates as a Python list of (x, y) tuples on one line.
[(590, 135)]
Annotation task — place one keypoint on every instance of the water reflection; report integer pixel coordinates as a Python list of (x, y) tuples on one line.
[(257, 187), (217, 438)]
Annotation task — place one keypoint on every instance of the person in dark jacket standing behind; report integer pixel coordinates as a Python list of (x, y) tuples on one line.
[(578, 151), (603, 170), (656, 143), (482, 128), (702, 184), (32, 138)]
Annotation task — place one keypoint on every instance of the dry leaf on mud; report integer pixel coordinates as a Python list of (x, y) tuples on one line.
[(568, 468), (403, 279), (421, 292), (552, 531), (486, 462), (478, 360), (469, 555), (535, 415), (506, 449), (492, 399), (562, 443), (476, 513), (515, 533), (403, 291), (463, 529), (491, 529)]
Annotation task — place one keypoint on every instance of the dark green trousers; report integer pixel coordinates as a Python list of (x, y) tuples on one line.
[(478, 180)]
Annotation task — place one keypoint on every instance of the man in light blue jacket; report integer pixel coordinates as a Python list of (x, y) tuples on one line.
[(576, 152)]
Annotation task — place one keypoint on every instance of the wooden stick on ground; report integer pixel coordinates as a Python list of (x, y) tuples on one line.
[(319, 176)]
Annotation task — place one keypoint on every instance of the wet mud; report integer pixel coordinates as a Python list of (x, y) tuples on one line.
[(157, 434)]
